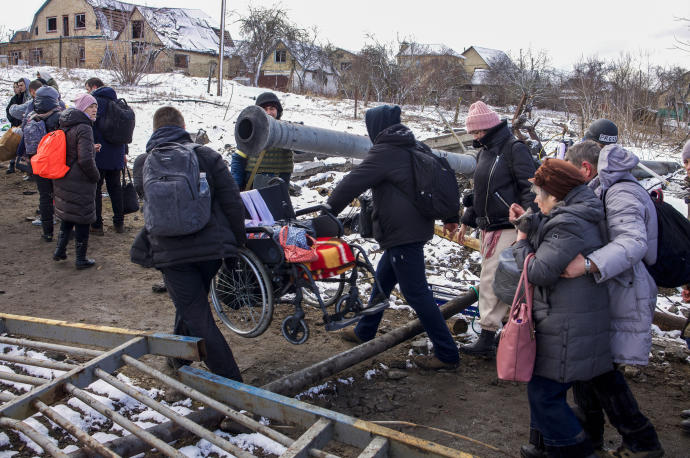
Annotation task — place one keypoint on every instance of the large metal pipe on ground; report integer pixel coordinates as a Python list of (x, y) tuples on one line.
[(296, 381), (255, 131)]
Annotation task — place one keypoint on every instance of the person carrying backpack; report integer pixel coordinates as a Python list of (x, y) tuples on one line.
[(44, 119), (21, 95), (110, 159), (74, 193), (631, 226), (400, 229), (503, 167), (190, 260)]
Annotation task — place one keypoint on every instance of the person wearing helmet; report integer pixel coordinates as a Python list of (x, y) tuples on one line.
[(255, 171), (602, 131)]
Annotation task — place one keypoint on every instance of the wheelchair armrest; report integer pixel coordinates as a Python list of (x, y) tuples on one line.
[(326, 211)]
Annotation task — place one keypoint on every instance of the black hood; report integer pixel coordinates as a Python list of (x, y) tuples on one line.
[(266, 98), (47, 98), (167, 134), (379, 118), (398, 135), (72, 117)]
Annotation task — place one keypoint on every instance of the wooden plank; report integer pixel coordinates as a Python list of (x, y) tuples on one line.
[(318, 435), (377, 448)]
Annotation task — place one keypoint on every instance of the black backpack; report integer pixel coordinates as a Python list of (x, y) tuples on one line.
[(436, 190), (672, 266), (117, 126)]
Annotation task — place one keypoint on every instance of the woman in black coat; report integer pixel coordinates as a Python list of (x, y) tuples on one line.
[(74, 193), (571, 315)]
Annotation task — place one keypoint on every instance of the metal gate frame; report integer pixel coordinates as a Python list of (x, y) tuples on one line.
[(123, 347)]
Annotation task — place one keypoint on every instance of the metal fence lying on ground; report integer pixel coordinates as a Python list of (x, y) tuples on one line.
[(219, 396)]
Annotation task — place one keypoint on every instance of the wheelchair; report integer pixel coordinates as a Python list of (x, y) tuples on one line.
[(247, 287)]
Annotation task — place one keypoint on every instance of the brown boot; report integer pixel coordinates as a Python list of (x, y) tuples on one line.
[(349, 335), (432, 363)]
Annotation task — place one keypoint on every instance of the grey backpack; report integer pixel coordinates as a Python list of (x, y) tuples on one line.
[(177, 198), (34, 131)]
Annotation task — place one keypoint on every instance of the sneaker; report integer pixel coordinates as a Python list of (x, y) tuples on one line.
[(97, 231), (432, 363), (36, 222), (685, 426), (349, 335), (159, 288), (532, 451), (625, 452)]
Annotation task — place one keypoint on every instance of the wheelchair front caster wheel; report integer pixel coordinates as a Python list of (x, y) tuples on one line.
[(295, 331)]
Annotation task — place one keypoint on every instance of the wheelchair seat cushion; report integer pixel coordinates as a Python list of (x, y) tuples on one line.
[(335, 257)]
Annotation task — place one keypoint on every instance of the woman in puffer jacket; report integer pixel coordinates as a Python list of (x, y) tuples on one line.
[(75, 193), (571, 315)]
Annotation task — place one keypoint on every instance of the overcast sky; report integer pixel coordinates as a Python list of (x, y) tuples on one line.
[(566, 31)]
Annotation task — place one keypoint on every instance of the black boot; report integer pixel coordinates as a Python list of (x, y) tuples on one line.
[(483, 347), (535, 448), (47, 233), (82, 262), (592, 422), (61, 249), (10, 169), (580, 450)]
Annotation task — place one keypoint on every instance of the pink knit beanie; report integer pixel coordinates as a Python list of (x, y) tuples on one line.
[(685, 155), (84, 101), (481, 117)]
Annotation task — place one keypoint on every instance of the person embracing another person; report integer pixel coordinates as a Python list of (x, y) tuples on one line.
[(74, 193), (571, 315)]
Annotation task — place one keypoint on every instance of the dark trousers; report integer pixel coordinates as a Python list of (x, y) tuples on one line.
[(611, 393), (551, 415), (114, 187), (45, 203), (81, 231), (404, 265), (188, 286)]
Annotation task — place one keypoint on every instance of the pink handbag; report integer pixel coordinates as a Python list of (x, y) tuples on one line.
[(517, 349)]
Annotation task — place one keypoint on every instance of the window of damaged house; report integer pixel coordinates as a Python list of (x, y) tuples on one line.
[(36, 31), (82, 56), (51, 24), (15, 57), (79, 21), (137, 29), (65, 26), (281, 56), (36, 56), (181, 61), (345, 66)]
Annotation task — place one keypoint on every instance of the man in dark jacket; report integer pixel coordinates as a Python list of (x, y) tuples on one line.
[(110, 159), (503, 167), (400, 230), (21, 95), (190, 262)]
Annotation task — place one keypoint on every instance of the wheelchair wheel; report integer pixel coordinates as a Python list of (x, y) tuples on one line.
[(295, 331), (330, 292), (242, 294)]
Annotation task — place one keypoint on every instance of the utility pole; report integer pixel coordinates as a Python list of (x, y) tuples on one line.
[(221, 51)]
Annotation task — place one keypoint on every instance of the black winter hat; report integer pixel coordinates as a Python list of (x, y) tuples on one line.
[(380, 118), (602, 131), (267, 98)]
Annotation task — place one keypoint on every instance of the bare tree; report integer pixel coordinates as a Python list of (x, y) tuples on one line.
[(527, 76), (262, 28), (587, 86), (307, 55)]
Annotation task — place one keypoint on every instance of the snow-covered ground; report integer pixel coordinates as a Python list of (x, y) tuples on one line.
[(448, 262)]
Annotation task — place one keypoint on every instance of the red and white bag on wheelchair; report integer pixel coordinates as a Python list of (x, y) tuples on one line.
[(517, 349), (297, 245)]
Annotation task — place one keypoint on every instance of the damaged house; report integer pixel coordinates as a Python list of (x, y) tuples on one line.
[(91, 33)]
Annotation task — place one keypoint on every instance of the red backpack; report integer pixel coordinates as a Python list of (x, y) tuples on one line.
[(50, 160)]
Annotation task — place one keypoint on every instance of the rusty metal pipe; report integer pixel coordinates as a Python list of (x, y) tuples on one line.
[(27, 379), (41, 439), (293, 383), (48, 346), (255, 131), (46, 363), (174, 416)]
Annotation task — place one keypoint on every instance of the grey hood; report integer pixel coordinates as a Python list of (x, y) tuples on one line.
[(615, 164)]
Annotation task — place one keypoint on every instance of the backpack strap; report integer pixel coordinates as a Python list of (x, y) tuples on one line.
[(507, 153), (250, 181)]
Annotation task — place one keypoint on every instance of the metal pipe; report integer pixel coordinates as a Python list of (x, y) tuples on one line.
[(37, 362), (23, 378), (48, 346), (41, 439), (74, 430), (147, 437), (174, 416), (217, 406), (294, 382), (255, 131)]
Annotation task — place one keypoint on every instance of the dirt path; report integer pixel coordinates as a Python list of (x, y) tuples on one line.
[(470, 402)]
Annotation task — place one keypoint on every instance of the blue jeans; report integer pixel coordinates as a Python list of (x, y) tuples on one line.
[(550, 413), (404, 265)]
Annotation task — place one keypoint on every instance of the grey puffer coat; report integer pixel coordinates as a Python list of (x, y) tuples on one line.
[(571, 315), (633, 236), (75, 192)]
